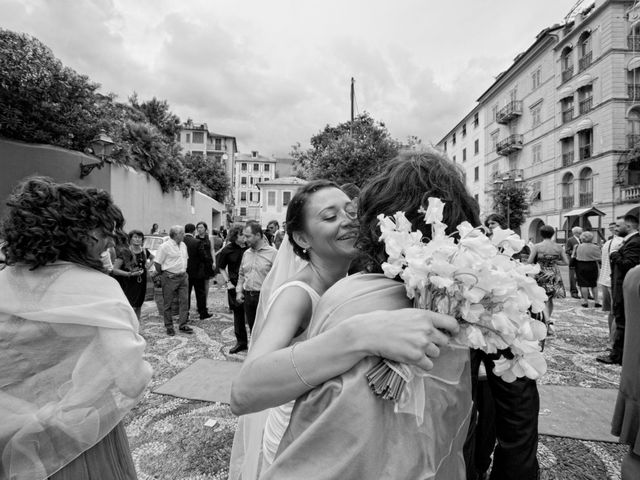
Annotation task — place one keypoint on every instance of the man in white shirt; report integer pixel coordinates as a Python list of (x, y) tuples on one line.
[(171, 264), (610, 246)]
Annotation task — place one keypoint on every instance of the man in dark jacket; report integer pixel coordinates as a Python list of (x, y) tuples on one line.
[(196, 270), (570, 246), (622, 260)]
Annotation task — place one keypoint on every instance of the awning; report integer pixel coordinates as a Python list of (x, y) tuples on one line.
[(633, 63), (566, 133), (584, 80), (565, 92), (584, 212), (584, 125)]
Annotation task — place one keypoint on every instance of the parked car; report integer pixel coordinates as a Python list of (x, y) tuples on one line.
[(153, 242)]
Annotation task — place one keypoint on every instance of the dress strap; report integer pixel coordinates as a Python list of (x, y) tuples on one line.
[(296, 283)]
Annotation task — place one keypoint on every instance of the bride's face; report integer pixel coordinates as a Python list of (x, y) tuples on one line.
[(331, 224)]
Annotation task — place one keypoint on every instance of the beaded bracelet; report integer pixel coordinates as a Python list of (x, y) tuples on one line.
[(293, 362)]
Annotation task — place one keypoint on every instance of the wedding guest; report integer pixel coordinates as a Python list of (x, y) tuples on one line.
[(155, 229), (572, 243), (71, 360), (340, 429), (587, 256), (622, 260), (130, 269), (255, 265), (171, 264), (209, 245), (604, 280), (273, 227), (196, 270), (321, 222), (626, 415)]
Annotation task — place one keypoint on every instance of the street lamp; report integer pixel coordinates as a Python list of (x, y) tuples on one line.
[(102, 147), (508, 180)]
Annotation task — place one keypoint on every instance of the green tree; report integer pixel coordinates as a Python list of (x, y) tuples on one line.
[(511, 202), (349, 152), (208, 176)]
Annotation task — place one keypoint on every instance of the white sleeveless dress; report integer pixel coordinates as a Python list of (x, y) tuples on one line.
[(278, 417)]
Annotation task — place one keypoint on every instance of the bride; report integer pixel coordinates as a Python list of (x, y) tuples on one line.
[(282, 364), (341, 430)]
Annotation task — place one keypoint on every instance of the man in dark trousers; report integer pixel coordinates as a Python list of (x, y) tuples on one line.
[(196, 270), (622, 260), (570, 246), (229, 259)]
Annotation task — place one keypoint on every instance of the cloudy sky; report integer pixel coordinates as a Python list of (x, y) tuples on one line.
[(275, 72)]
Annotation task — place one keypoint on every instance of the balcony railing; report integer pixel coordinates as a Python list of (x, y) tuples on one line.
[(509, 145), (585, 152), (567, 158), (633, 42), (567, 73), (567, 115), (585, 105), (567, 202), (633, 140), (633, 91), (630, 194), (585, 61), (586, 199), (510, 111)]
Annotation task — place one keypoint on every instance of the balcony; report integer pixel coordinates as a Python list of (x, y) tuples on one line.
[(510, 111), (567, 115), (567, 202), (633, 91), (585, 61), (630, 194), (567, 158), (633, 140), (511, 144), (586, 199), (585, 152), (567, 73), (586, 105), (633, 42)]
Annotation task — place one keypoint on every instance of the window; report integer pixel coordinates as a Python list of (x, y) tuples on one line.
[(271, 198), (537, 153), (266, 167), (494, 140), (476, 120), (585, 188), (464, 130), (252, 180), (243, 211), (453, 139), (286, 198), (566, 145), (567, 191), (535, 79), (243, 180), (494, 113), (256, 167), (536, 112), (187, 138), (266, 179), (585, 99), (566, 63), (198, 137), (476, 147), (254, 197), (476, 174), (243, 196), (254, 154), (464, 154), (584, 50), (243, 167), (566, 105), (585, 138), (633, 128), (454, 159), (218, 145), (536, 188)]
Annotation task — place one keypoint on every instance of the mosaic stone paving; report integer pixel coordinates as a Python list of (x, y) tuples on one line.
[(169, 439)]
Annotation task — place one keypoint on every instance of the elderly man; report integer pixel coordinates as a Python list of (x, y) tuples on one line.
[(570, 246), (171, 264), (256, 264)]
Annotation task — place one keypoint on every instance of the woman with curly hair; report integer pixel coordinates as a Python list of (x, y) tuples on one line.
[(70, 354)]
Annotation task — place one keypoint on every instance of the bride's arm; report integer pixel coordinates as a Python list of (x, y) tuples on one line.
[(268, 377)]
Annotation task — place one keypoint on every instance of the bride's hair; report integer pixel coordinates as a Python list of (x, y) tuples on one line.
[(296, 211), (405, 185)]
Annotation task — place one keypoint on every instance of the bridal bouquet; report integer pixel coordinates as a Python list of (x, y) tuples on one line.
[(473, 279)]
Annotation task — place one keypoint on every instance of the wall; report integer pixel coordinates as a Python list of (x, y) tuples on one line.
[(136, 193)]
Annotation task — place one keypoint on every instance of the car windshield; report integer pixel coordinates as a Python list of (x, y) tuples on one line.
[(152, 243)]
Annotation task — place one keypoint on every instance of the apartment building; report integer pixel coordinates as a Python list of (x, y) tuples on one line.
[(563, 121), (276, 195), (464, 145), (250, 170)]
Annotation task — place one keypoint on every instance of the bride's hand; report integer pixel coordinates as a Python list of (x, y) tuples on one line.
[(408, 335)]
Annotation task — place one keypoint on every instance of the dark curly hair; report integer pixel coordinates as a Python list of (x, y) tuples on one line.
[(48, 221), (499, 219), (405, 184), (295, 211)]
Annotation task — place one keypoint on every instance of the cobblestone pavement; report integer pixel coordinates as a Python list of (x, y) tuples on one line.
[(169, 439)]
